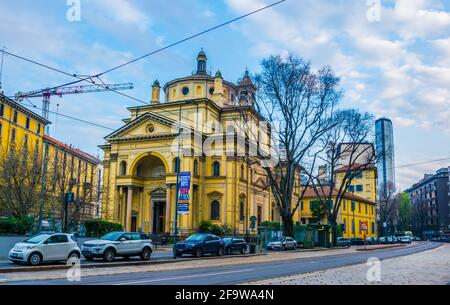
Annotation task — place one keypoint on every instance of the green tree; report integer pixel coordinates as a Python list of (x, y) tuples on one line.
[(405, 211)]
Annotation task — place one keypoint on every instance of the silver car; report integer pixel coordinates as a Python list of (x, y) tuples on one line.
[(45, 248), (282, 243), (122, 244)]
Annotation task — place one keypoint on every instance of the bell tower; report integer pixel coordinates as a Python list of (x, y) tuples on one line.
[(201, 62), (246, 90)]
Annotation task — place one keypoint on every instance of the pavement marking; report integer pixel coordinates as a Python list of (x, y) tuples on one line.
[(183, 277)]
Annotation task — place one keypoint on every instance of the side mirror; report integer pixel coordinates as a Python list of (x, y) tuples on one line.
[(122, 239)]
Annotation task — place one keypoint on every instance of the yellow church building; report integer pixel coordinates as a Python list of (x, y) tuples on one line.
[(141, 159)]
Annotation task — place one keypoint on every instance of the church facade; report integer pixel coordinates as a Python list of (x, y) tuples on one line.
[(142, 158)]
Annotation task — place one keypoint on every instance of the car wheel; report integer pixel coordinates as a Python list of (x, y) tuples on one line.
[(242, 251), (109, 255), (146, 253), (179, 254), (220, 252), (198, 253), (74, 254), (34, 259)]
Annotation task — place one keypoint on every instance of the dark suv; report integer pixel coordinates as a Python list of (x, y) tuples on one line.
[(199, 244), (234, 244)]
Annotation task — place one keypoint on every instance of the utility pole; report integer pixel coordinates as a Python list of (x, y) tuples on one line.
[(43, 188), (178, 169), (1, 69)]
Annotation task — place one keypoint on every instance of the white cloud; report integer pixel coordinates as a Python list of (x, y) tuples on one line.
[(123, 11)]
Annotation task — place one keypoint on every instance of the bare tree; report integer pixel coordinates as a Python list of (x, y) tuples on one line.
[(63, 176), (420, 216), (348, 150), (21, 178), (388, 208), (299, 104)]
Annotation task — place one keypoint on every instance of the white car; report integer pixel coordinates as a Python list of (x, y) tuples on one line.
[(282, 243), (405, 239), (124, 244), (45, 248)]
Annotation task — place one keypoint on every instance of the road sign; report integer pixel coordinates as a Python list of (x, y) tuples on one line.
[(184, 193), (69, 197)]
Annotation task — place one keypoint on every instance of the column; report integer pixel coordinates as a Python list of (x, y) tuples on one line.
[(143, 207), (168, 207), (129, 206)]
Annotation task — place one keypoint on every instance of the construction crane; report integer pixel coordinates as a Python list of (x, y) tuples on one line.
[(47, 93)]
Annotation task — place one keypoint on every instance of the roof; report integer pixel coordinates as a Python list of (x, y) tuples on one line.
[(355, 166), (139, 119), (23, 109), (324, 191), (72, 150)]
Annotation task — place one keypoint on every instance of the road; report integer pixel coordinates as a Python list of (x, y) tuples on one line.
[(157, 255), (235, 274)]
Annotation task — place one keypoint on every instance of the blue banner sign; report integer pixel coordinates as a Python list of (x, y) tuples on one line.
[(184, 192)]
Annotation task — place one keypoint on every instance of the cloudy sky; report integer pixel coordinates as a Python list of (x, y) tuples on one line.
[(396, 66)]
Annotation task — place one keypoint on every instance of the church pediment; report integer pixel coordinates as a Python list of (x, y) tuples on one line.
[(146, 125)]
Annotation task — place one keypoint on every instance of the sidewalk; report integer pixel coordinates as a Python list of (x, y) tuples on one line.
[(430, 267), (176, 265)]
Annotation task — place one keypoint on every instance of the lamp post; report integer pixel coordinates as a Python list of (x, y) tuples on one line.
[(178, 169)]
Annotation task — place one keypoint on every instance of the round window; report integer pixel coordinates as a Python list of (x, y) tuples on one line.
[(150, 128), (185, 90), (211, 90)]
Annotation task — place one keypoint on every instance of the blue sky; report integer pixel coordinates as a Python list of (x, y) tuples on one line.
[(398, 67)]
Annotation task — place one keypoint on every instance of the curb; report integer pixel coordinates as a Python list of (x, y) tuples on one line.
[(118, 264), (381, 248)]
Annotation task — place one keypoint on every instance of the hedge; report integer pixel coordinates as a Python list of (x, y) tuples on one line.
[(19, 226), (98, 228), (208, 227)]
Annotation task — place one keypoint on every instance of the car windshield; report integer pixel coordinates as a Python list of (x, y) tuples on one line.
[(277, 239), (196, 237), (227, 240), (37, 239), (112, 236)]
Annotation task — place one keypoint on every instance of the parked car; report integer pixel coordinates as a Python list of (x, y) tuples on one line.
[(234, 244), (45, 248), (371, 241), (382, 240), (357, 241), (118, 244), (343, 242), (393, 239), (282, 243), (416, 238), (199, 244), (404, 239)]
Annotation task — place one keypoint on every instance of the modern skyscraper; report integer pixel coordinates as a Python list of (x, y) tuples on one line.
[(384, 146)]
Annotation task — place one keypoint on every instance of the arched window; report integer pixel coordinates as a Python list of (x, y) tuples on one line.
[(195, 167), (176, 165), (242, 171), (123, 168), (215, 210), (242, 209), (216, 169)]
